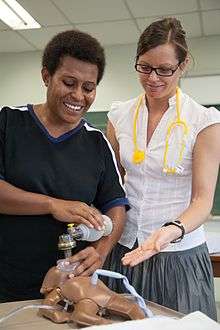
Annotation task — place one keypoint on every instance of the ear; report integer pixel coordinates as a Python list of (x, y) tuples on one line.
[(184, 64), (45, 76)]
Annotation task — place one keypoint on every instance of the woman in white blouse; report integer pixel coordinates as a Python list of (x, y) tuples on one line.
[(168, 154)]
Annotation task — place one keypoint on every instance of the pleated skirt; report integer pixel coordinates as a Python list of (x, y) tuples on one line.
[(180, 280)]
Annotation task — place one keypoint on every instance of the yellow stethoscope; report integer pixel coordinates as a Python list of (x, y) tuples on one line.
[(139, 155)]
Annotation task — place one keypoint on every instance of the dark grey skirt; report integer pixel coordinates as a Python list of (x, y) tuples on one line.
[(181, 280)]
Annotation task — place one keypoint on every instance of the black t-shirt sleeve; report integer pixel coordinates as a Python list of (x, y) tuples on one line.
[(2, 142), (110, 192)]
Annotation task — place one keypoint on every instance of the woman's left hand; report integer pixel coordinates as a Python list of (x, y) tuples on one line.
[(158, 241), (89, 260)]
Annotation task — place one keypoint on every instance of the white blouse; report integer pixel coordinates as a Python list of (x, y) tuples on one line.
[(156, 197)]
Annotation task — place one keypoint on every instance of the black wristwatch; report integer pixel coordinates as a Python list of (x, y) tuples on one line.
[(178, 224)]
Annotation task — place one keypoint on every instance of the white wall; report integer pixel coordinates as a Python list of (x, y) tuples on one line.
[(203, 79), (204, 90), (21, 80)]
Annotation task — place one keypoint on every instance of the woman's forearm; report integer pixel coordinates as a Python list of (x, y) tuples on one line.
[(196, 214), (16, 201)]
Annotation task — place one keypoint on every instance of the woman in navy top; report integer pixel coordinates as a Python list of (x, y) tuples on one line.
[(56, 169)]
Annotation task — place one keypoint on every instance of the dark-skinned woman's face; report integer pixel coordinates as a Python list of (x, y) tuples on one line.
[(71, 90)]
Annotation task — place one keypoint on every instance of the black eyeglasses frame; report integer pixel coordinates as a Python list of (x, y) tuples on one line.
[(155, 70)]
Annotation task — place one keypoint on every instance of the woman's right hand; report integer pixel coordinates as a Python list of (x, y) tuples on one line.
[(155, 243), (76, 212)]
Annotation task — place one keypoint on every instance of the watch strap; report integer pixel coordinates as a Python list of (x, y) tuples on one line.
[(178, 224)]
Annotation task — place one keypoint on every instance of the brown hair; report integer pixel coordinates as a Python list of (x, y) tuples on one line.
[(167, 30)]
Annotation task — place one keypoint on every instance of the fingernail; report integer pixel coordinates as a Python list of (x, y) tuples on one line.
[(91, 226), (99, 228)]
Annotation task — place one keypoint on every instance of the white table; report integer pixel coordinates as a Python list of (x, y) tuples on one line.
[(30, 320)]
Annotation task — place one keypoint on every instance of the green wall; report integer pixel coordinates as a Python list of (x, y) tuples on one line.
[(98, 119)]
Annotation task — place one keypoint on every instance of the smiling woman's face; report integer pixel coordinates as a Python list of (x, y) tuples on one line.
[(164, 57), (71, 90)]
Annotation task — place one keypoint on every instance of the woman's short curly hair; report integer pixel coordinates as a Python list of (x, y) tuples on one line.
[(76, 44)]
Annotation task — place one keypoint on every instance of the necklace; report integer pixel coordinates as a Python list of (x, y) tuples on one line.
[(174, 142)]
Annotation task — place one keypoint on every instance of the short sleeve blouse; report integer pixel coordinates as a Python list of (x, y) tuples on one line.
[(154, 196)]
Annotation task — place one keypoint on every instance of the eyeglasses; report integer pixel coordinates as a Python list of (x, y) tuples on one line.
[(147, 69)]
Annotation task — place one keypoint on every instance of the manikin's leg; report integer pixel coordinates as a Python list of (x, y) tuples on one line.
[(57, 316), (85, 313), (123, 306)]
